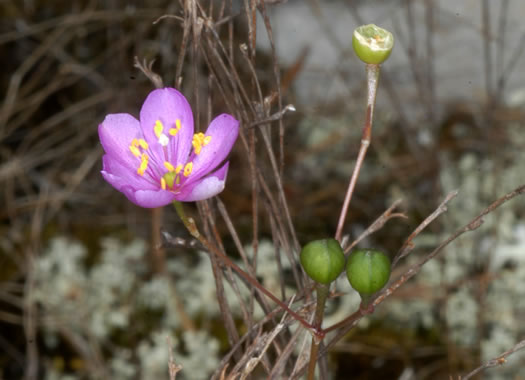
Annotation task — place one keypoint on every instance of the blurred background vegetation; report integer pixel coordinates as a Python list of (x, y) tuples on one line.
[(88, 287)]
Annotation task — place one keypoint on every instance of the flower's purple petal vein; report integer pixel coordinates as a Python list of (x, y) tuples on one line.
[(168, 105), (116, 133), (143, 198), (138, 190), (139, 155), (122, 176), (206, 187), (223, 131)]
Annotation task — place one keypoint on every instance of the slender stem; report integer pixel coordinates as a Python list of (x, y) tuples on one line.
[(190, 225), (372, 76), (367, 307), (322, 295), (314, 350)]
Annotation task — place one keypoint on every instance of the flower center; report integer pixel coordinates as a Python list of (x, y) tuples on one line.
[(172, 177)]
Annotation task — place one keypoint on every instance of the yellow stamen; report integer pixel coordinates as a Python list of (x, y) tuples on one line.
[(198, 139), (143, 144), (206, 140), (136, 144), (158, 128), (143, 164), (178, 126), (188, 168), (134, 150), (163, 183), (178, 168), (169, 166), (197, 148)]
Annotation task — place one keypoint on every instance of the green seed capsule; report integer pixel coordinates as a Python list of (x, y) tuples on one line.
[(323, 260), (372, 44), (368, 270)]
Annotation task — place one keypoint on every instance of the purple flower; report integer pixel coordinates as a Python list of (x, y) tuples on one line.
[(152, 162)]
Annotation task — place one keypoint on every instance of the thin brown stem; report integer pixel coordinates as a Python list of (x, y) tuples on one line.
[(408, 245), (497, 361), (322, 296), (190, 225), (377, 225), (372, 76)]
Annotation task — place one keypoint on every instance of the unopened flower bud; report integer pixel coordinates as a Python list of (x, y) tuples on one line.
[(368, 270), (323, 260), (372, 44)]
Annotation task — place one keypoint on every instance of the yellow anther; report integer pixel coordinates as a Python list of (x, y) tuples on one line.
[(136, 144), (178, 126), (197, 147), (134, 150), (197, 142), (178, 168), (158, 128), (143, 144), (188, 168), (169, 166), (206, 140), (143, 164), (163, 183)]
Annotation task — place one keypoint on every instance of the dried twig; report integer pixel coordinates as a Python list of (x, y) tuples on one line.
[(408, 246), (377, 225), (147, 69), (496, 362)]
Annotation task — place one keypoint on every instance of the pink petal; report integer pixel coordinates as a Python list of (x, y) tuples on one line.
[(223, 130), (206, 187), (121, 176), (139, 191), (152, 199), (116, 133), (168, 105)]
